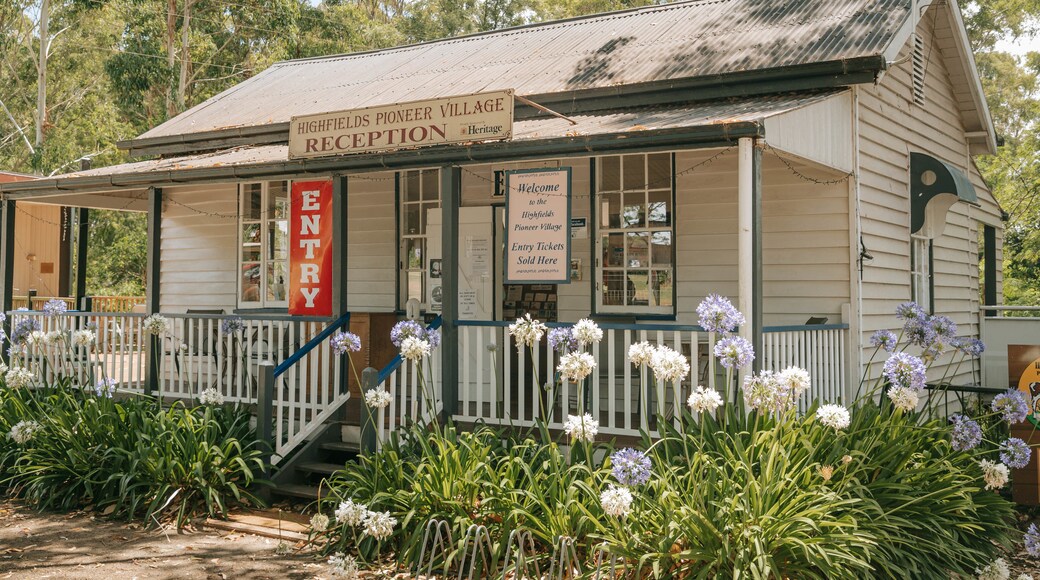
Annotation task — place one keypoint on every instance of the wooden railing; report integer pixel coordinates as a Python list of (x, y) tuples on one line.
[(98, 303), (197, 355)]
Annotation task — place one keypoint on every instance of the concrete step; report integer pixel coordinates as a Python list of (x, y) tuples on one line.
[(269, 524)]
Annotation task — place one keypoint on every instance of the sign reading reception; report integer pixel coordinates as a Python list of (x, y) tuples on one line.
[(479, 117), (310, 248), (538, 226)]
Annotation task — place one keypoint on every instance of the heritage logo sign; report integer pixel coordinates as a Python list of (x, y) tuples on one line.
[(478, 117), (310, 248), (538, 226)]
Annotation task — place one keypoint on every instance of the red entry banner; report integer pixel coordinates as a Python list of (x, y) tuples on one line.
[(310, 248)]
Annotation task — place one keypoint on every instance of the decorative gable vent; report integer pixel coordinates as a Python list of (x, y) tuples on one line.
[(918, 70)]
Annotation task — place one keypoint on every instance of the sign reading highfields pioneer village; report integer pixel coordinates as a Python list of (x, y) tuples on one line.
[(538, 226), (479, 117), (310, 248)]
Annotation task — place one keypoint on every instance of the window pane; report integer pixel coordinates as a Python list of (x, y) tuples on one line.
[(661, 248), (250, 282), (613, 288), (412, 227), (635, 172), (634, 206), (251, 201), (610, 210), (276, 276), (431, 185), (638, 250), (660, 170), (410, 186), (610, 174), (251, 253), (638, 292), (251, 235), (414, 253), (613, 251), (415, 285), (661, 288), (277, 200), (278, 240), (659, 210)]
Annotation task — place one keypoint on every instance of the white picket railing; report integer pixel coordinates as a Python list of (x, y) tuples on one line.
[(196, 355), (819, 349), (415, 393)]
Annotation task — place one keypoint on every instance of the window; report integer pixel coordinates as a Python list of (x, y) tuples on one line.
[(634, 234), (264, 244), (921, 271), (420, 191)]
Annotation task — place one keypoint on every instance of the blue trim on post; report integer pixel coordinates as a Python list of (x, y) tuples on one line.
[(395, 363), (296, 356)]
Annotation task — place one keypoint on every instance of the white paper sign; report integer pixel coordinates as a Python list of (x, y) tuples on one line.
[(538, 221)]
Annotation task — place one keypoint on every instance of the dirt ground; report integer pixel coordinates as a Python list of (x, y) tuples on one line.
[(36, 545)]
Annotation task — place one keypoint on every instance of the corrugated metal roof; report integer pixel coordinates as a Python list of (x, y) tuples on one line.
[(659, 43)]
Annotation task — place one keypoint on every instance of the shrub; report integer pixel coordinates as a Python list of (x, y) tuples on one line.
[(131, 457)]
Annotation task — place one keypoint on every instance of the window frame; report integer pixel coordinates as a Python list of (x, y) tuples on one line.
[(647, 312), (264, 222), (922, 274), (403, 238)]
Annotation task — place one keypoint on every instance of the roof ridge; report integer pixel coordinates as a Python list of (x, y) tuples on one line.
[(502, 31)]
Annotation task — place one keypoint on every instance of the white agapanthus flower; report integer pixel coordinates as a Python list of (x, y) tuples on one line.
[(54, 337), (3, 368), (377, 398), (575, 366), (703, 399), (641, 353), (794, 381), (211, 397), (669, 365), (343, 566), (587, 332), (157, 325), (527, 331), (23, 431), (19, 377), (835, 416), (616, 501), (319, 523), (83, 338), (379, 525), (36, 338), (581, 428), (994, 474), (415, 349), (998, 570), (1023, 576), (904, 398), (350, 513)]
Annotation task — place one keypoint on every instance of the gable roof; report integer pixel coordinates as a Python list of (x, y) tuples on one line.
[(574, 57)]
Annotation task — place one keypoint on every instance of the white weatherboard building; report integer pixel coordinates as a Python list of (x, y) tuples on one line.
[(812, 161)]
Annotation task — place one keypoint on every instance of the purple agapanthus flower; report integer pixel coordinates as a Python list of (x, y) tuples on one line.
[(433, 337), (55, 307), (909, 311), (905, 370), (1011, 405), (919, 332), (562, 340), (342, 342), (966, 433), (406, 329), (630, 467), (105, 388), (1032, 541), (24, 328), (717, 314), (734, 352), (971, 347), (885, 339), (1015, 453), (944, 328), (232, 325)]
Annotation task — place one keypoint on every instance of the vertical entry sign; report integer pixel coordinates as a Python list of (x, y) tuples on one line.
[(538, 226), (310, 248)]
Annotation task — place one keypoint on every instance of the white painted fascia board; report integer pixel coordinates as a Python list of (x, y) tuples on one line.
[(960, 37)]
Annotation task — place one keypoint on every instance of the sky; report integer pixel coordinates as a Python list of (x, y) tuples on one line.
[(1021, 46)]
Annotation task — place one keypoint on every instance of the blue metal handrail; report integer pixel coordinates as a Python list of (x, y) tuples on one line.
[(395, 363), (327, 332)]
